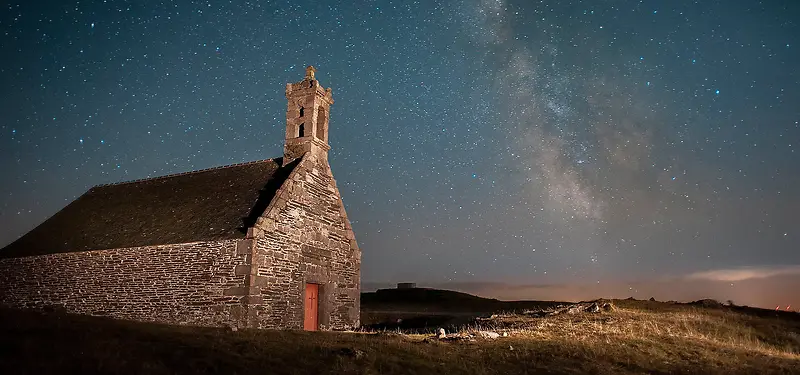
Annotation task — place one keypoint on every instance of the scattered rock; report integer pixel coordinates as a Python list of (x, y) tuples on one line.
[(510, 347), (594, 307), (577, 308), (488, 334), (535, 313), (458, 337)]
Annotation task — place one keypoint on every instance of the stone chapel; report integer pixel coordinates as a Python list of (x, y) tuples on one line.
[(263, 244)]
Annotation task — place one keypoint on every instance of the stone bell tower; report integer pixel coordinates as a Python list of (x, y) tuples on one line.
[(307, 114)]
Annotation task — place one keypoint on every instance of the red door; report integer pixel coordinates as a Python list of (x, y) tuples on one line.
[(311, 319)]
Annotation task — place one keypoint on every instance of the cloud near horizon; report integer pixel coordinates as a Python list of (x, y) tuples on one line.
[(745, 273)]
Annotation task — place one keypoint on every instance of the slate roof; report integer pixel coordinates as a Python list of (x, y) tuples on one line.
[(211, 204)]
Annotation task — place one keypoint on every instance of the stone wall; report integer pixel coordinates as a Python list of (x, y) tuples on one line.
[(196, 283), (304, 237)]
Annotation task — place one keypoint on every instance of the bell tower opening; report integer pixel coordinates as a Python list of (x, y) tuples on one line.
[(307, 118), (322, 125)]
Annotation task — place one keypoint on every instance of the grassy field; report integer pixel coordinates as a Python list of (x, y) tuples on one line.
[(635, 337)]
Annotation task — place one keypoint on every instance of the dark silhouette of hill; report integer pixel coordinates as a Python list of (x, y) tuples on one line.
[(433, 300), (424, 309)]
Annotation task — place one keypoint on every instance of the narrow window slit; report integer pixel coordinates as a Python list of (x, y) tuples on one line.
[(322, 123)]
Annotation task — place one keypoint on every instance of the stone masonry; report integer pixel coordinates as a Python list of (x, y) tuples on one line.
[(295, 232), (304, 237), (191, 283)]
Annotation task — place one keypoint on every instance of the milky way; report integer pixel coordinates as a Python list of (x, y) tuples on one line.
[(475, 141)]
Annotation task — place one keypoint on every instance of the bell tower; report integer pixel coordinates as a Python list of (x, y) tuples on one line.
[(307, 114)]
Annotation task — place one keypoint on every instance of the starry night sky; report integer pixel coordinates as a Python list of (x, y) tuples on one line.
[(485, 144)]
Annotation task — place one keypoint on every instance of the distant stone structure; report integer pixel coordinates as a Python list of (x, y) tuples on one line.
[(406, 285), (264, 244)]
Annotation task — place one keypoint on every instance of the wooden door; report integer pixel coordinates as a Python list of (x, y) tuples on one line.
[(311, 318)]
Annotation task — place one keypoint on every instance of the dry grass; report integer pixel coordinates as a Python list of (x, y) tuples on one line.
[(721, 328), (635, 338), (659, 333)]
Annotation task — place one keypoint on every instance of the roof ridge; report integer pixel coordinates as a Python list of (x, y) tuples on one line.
[(181, 173)]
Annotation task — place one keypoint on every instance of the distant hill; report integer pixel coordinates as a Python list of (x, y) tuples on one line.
[(421, 309), (423, 296), (433, 300), (424, 308)]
